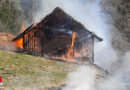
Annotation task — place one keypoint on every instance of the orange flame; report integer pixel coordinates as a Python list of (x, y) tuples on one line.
[(70, 50), (19, 43), (70, 54), (73, 53), (76, 54)]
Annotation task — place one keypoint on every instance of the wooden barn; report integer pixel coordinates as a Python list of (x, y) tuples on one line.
[(58, 36)]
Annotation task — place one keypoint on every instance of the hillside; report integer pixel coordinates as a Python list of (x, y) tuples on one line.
[(6, 42), (20, 71)]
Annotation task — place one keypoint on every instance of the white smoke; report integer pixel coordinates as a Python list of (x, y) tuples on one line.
[(84, 78), (80, 79), (89, 13)]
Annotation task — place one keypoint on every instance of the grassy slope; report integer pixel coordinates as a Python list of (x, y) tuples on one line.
[(20, 70)]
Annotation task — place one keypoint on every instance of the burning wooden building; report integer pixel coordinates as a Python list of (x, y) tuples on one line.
[(58, 36)]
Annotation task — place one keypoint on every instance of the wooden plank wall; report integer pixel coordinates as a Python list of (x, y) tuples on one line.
[(31, 41)]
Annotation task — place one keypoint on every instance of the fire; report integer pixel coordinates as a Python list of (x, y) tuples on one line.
[(19, 43), (73, 53), (23, 28), (76, 54), (71, 49)]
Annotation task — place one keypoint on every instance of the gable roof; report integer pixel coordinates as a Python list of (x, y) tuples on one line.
[(59, 19)]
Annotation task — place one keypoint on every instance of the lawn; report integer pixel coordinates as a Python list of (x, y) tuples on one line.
[(25, 71)]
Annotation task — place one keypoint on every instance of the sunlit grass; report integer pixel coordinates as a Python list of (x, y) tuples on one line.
[(21, 70)]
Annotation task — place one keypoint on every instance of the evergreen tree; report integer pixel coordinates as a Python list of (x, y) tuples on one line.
[(11, 16)]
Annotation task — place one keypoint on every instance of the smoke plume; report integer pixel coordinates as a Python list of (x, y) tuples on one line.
[(95, 18)]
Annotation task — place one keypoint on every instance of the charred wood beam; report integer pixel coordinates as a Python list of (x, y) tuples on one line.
[(22, 34), (93, 49), (23, 43)]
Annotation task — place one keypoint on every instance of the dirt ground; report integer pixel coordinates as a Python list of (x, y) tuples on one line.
[(6, 42)]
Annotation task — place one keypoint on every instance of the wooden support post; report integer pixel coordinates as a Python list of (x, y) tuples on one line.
[(92, 49), (33, 40), (28, 42), (73, 51), (42, 42), (37, 40), (23, 43)]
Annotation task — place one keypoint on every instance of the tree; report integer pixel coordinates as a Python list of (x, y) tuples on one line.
[(11, 16)]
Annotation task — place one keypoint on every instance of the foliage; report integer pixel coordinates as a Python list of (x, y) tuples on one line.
[(10, 16)]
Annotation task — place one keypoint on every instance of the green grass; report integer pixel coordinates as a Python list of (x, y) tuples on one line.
[(21, 70)]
